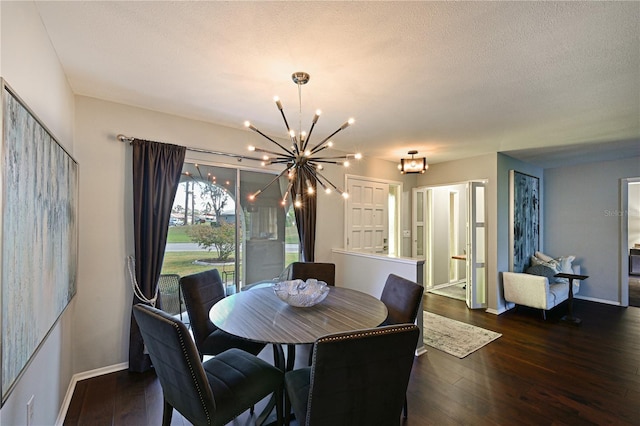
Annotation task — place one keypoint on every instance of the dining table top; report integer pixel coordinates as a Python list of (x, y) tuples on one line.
[(259, 315)]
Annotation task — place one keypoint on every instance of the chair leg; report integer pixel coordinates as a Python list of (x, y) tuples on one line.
[(287, 408), (405, 409), (544, 315), (279, 394), (167, 413)]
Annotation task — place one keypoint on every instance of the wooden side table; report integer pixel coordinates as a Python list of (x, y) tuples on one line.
[(569, 317)]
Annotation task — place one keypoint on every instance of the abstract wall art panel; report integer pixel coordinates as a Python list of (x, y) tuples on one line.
[(39, 235), (524, 219)]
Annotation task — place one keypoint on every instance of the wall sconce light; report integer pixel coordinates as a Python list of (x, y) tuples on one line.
[(413, 165)]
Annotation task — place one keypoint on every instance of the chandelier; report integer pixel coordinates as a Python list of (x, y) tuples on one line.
[(303, 161)]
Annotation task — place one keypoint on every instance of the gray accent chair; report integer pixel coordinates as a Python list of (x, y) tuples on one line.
[(356, 378), (209, 393)]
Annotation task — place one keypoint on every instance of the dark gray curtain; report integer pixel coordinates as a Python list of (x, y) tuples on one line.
[(306, 214), (156, 175)]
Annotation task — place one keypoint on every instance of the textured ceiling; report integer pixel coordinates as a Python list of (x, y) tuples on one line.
[(542, 80)]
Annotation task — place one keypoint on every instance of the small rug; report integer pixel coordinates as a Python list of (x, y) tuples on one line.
[(454, 337)]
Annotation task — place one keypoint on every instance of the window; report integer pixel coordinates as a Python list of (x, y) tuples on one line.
[(214, 225)]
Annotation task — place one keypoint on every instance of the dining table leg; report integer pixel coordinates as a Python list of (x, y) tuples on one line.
[(280, 362), (291, 361)]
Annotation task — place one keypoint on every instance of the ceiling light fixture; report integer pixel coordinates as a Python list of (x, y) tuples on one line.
[(301, 160), (413, 165)]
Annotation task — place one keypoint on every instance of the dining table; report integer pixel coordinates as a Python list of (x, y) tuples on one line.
[(260, 315)]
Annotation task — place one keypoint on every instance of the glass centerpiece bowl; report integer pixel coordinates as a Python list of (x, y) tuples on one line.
[(302, 294)]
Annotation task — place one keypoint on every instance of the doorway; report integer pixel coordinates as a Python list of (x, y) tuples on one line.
[(448, 225), (633, 240)]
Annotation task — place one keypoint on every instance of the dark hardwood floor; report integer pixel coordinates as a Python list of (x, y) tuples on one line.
[(538, 373)]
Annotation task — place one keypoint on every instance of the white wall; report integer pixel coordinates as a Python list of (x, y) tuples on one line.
[(581, 219), (30, 66)]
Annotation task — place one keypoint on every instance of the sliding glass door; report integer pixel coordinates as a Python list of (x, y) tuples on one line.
[(214, 224)]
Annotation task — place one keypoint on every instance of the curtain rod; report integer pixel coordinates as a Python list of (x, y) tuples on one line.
[(123, 138)]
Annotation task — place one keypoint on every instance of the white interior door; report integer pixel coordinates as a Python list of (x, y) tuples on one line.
[(421, 230), (367, 216), (476, 246)]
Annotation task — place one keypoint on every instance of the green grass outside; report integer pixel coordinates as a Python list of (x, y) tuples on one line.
[(181, 262), (178, 234)]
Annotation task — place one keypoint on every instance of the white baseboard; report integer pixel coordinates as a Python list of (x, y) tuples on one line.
[(82, 376), (500, 311), (593, 299), (421, 350)]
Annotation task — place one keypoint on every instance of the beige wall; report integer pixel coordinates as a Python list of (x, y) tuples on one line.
[(30, 66)]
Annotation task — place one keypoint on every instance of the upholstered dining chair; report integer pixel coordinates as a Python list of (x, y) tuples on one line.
[(209, 393), (402, 298), (321, 271), (201, 291), (356, 378)]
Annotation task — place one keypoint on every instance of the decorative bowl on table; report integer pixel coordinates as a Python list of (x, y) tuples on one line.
[(301, 294)]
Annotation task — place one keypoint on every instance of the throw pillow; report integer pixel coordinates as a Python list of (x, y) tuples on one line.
[(553, 264), (559, 264), (565, 264), (543, 271), (543, 257)]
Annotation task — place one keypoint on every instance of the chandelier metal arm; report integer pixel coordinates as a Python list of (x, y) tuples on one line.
[(286, 193), (313, 124), (280, 160), (286, 124), (255, 129), (320, 177), (337, 157), (255, 194), (339, 163), (267, 151), (315, 148)]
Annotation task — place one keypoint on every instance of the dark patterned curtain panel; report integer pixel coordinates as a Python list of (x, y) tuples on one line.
[(156, 175), (306, 214)]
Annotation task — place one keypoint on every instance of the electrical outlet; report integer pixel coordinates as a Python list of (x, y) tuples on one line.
[(30, 410), (406, 233)]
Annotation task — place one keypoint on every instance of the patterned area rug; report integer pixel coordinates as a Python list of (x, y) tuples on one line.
[(454, 337)]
